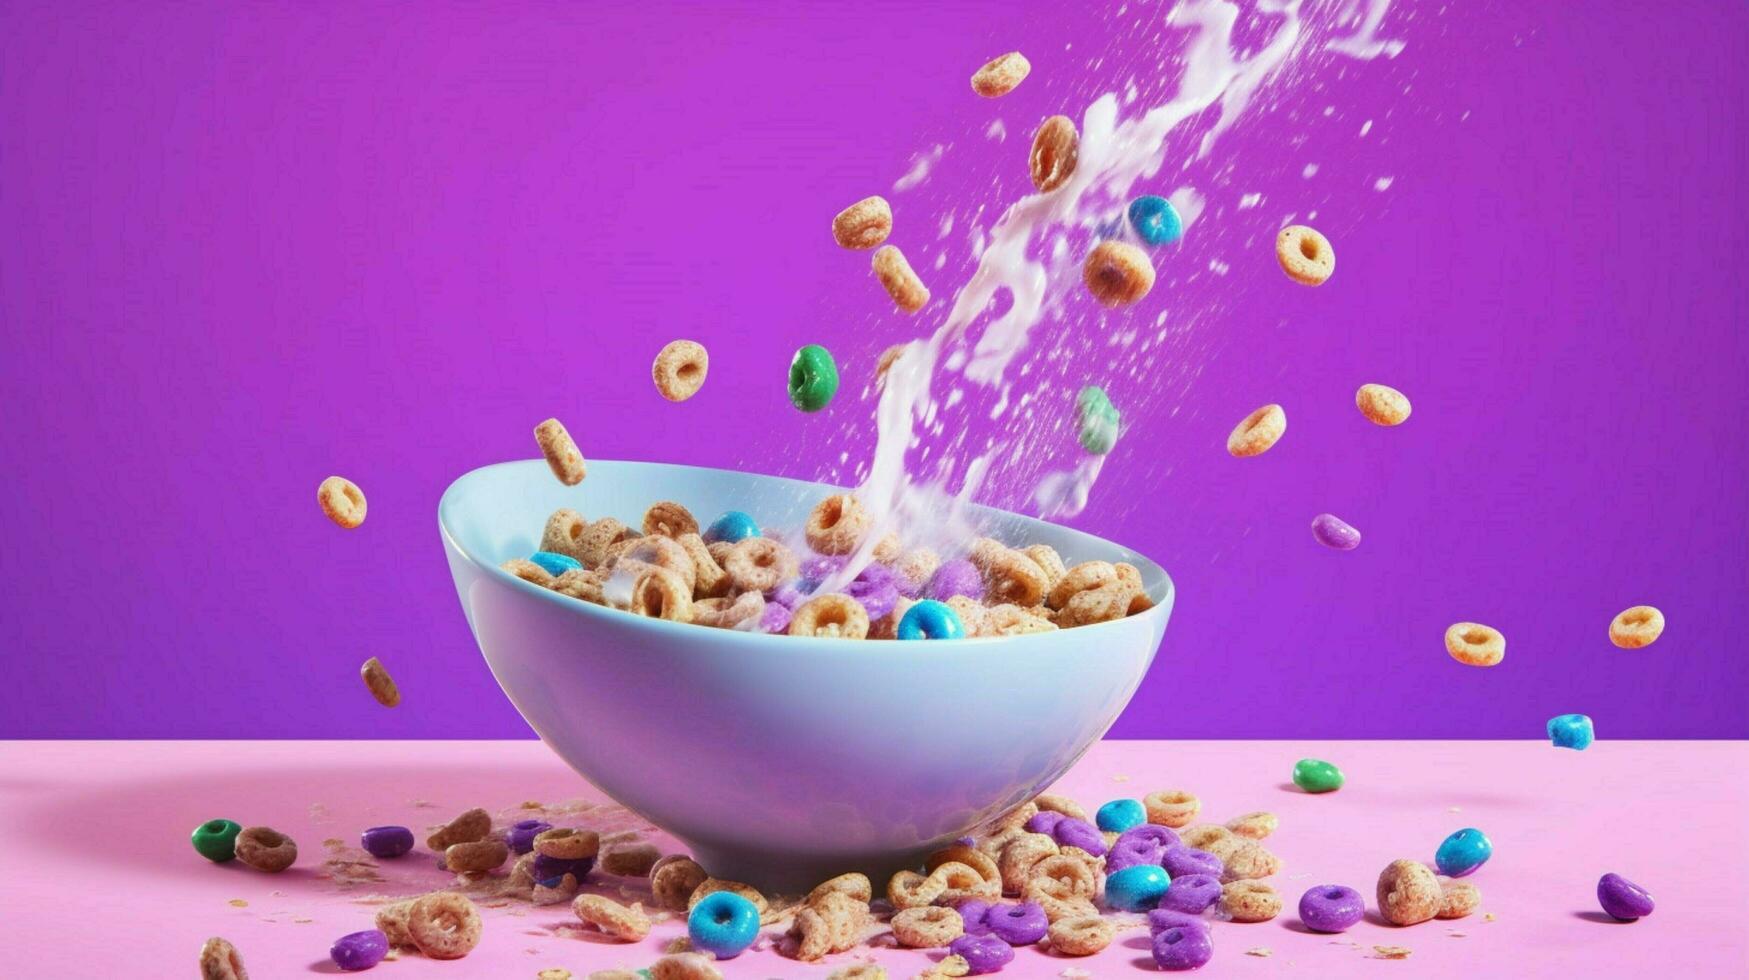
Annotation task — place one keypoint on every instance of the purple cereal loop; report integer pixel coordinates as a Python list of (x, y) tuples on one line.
[(985, 954), (1191, 894), (1153, 832), (972, 912), (1129, 853), (1180, 860), (1180, 948), (522, 834), (1017, 925), (957, 577), (1331, 908), (1070, 832), (877, 600), (775, 618), (359, 950), (1623, 899), (1160, 920), (1043, 822), (790, 594), (822, 566), (1333, 532)]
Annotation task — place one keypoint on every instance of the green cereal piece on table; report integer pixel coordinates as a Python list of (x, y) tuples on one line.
[(216, 840), (1317, 776), (1098, 419), (813, 378)]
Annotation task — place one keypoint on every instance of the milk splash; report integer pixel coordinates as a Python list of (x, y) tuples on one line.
[(1115, 153)]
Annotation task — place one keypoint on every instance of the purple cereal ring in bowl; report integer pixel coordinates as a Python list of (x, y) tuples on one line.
[(1180, 861), (1191, 894), (839, 783), (1070, 832)]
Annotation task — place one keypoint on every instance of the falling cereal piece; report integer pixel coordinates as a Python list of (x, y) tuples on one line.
[(561, 452), (1636, 627), (1382, 404), (865, 224), (899, 280), (1001, 75), (1393, 952), (1118, 273), (1305, 255), (1475, 645), (679, 370), (1056, 148), (1257, 432), (342, 501), (382, 686)]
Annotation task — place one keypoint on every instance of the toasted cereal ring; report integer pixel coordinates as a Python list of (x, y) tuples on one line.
[(855, 884), (1082, 935), (391, 919), (916, 567), (742, 612), (1249, 901), (760, 565), (1457, 898), (469, 825), (885, 362), (950, 967), (1063, 876), (1636, 626), (833, 614), (528, 571), (985, 865), (1117, 273), (1001, 74), (1056, 148), (962, 881), (813, 934), (1020, 855), (680, 369), (1011, 577), (266, 849), (846, 916), (859, 971), (1247, 861), (1057, 803), (219, 960), (1173, 808), (1202, 836), (673, 880), (580, 584), (1058, 909), (887, 627), (632, 859), (476, 856), (1102, 605), (444, 925), (627, 924), (837, 525), (662, 552), (684, 966), (1382, 404), (660, 594), (1258, 431), (567, 843), (1475, 645), (1255, 825), (1046, 558), (1012, 620), (1305, 255), (711, 886), (564, 532), (1015, 819), (1083, 577), (909, 890), (563, 456), (381, 685), (1408, 892), (710, 581), (554, 891), (888, 548), (899, 279), (669, 520), (603, 534), (342, 501), (927, 927), (865, 224), (973, 616)]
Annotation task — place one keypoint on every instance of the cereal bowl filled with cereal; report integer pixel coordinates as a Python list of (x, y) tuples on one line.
[(794, 689)]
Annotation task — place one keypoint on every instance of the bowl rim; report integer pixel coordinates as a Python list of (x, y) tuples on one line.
[(1163, 601)]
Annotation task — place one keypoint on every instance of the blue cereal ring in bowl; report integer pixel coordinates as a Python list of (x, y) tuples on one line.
[(837, 786)]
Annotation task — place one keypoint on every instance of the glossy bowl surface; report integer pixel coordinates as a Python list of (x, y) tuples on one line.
[(782, 760)]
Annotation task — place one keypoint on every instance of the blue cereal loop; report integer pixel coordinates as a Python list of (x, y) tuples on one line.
[(1156, 220), (555, 564), (733, 526), (723, 924), (931, 620)]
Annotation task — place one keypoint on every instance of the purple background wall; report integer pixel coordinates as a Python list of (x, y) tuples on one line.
[(245, 246)]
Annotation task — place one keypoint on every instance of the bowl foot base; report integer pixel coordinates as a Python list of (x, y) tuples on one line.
[(791, 874)]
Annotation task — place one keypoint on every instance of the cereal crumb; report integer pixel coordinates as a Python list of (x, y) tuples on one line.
[(555, 973), (1458, 935), (299, 920), (1487, 917), (1075, 973), (1455, 809), (530, 805), (238, 903), (1260, 951), (1393, 952), (1120, 779)]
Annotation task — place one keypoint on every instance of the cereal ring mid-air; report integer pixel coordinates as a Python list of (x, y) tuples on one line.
[(865, 224), (342, 501), (1001, 75), (1257, 432), (1475, 645), (1056, 148), (1382, 404), (1118, 273), (1636, 627), (680, 369), (899, 280), (1305, 255), (561, 452)]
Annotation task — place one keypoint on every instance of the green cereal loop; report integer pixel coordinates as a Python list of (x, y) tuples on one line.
[(216, 840), (813, 378), (1098, 420), (1317, 776)]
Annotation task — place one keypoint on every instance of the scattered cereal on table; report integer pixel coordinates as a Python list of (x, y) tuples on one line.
[(216, 840), (266, 849), (1393, 952), (219, 960), (359, 950), (1259, 951), (1572, 731)]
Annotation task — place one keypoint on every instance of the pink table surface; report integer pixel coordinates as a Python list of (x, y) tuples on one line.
[(101, 880)]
